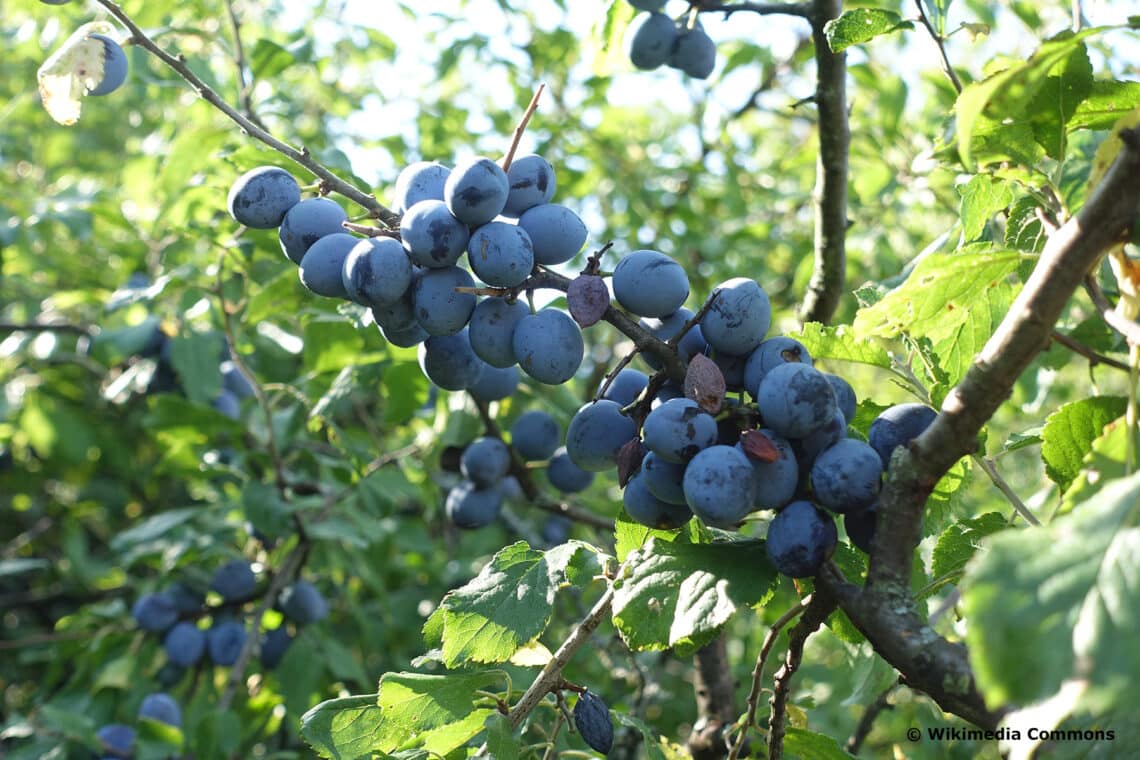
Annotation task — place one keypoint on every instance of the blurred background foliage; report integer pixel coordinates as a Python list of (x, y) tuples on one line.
[(113, 483)]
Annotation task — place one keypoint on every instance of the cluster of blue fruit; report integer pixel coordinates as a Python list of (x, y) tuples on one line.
[(177, 612), (535, 436), (417, 290), (792, 453), (117, 740), (659, 40)]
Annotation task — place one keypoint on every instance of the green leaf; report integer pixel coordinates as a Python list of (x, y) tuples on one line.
[(153, 528), (269, 59), (1023, 228), (840, 343), (1012, 93), (405, 391), (953, 300), (808, 745), (945, 497), (680, 595), (1106, 103), (1105, 462), (1068, 84), (656, 746), (346, 728), (982, 197), (333, 346), (217, 734), (501, 742), (1060, 602), (861, 25), (506, 605), (630, 534), (1069, 433), (114, 346), (958, 543), (437, 711), (195, 359)]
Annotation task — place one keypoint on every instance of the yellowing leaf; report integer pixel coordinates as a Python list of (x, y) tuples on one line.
[(72, 70)]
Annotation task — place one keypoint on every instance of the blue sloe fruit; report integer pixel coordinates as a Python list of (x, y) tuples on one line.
[(719, 486), (739, 318), (644, 507), (592, 719), (566, 476), (306, 223), (114, 66), (440, 309), (500, 254), (800, 538), (898, 426), (485, 461), (161, 706), (548, 346), (376, 271), (532, 183), (795, 400), (449, 362), (556, 232), (224, 642), (492, 329), (303, 603), (596, 434), (846, 477), (535, 435), (261, 197), (650, 284), (432, 236), (476, 191), (470, 507), (185, 644), (322, 266)]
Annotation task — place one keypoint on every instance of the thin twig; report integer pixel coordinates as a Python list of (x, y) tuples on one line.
[(529, 488), (1080, 348), (288, 570), (46, 327), (245, 91), (551, 675), (758, 673), (279, 477), (947, 69), (302, 157), (868, 720), (521, 128), (1123, 325), (995, 477), (821, 605), (803, 10)]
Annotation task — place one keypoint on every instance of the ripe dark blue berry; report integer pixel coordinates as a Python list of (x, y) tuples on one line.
[(592, 719)]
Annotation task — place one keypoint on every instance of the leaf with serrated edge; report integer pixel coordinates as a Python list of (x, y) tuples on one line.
[(1041, 600), (829, 342), (1070, 431), (861, 25), (680, 595), (344, 728), (953, 300), (508, 604)]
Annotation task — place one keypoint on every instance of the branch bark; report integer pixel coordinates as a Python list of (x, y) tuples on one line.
[(716, 700), (828, 278), (884, 609)]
